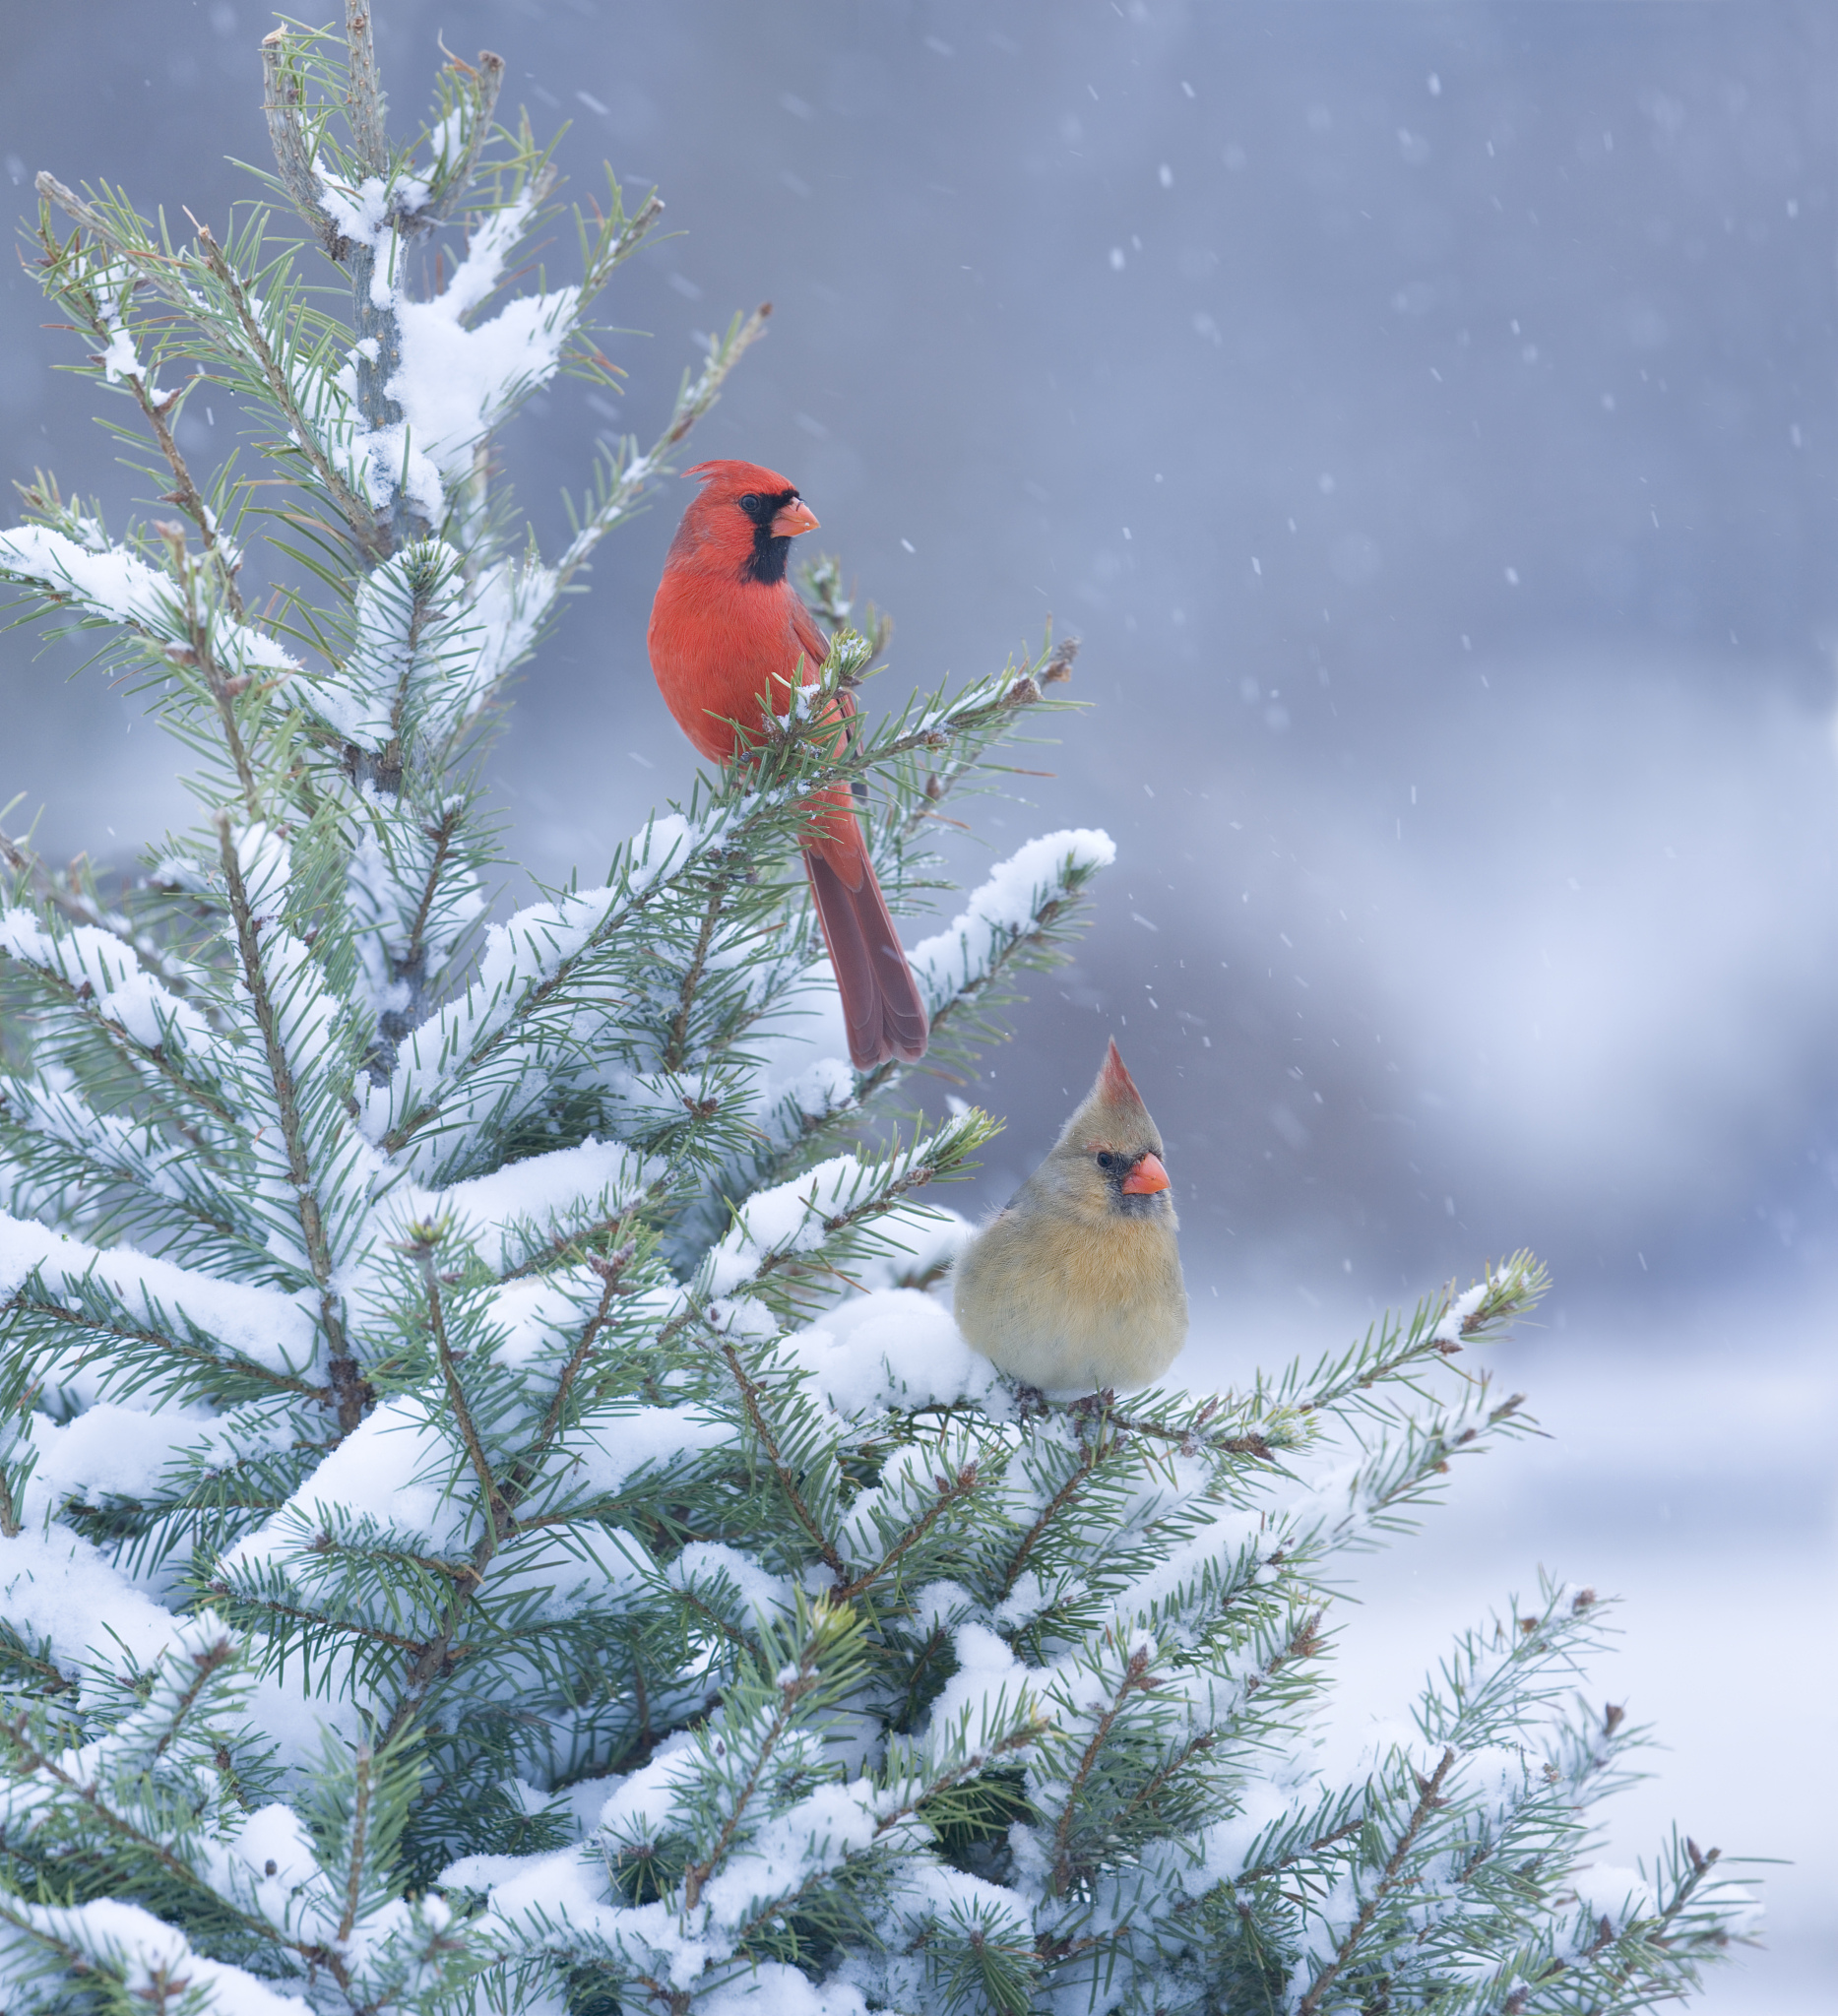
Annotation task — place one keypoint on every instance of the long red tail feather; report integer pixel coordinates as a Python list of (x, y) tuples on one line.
[(881, 1006)]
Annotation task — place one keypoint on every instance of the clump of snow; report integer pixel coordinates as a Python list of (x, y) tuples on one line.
[(106, 1448), (122, 990), (57, 1589), (604, 1461), (1449, 1330), (392, 1467), (895, 1349), (516, 1210), (120, 359), (1620, 1894), (766, 1594), (456, 377), (788, 1218)]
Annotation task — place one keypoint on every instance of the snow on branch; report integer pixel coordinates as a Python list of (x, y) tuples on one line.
[(1018, 902), (93, 972), (810, 1223), (133, 1317), (80, 568)]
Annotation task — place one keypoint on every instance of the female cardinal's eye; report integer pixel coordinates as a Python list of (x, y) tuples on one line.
[(1106, 1161)]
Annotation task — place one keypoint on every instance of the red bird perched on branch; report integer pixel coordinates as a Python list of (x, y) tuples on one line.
[(727, 629)]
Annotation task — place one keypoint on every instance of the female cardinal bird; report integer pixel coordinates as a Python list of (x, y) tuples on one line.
[(727, 628), (1075, 1285)]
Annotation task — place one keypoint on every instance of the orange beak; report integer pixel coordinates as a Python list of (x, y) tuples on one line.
[(796, 517), (1146, 1177)]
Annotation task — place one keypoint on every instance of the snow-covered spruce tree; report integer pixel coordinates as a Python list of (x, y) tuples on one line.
[(490, 1517)]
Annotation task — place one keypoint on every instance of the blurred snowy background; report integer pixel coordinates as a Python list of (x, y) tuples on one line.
[(1426, 415)]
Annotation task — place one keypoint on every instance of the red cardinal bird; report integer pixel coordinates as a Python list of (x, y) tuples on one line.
[(726, 627)]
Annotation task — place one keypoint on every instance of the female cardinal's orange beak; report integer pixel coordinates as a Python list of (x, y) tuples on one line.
[(795, 517), (1147, 1176)]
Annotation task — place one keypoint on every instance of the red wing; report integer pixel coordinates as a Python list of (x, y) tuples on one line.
[(811, 638)]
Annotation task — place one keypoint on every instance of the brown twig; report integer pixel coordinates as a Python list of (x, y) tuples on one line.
[(1089, 1453), (950, 1491), (678, 1047), (363, 97)]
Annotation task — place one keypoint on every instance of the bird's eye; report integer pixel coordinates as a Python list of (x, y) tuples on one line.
[(1106, 1161), (750, 502)]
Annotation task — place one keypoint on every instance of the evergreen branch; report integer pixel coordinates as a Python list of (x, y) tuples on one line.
[(323, 1621), (690, 1601), (370, 533), (67, 896), (12, 1647), (693, 401), (80, 999), (609, 1272), (219, 1358), (1188, 1437), (752, 1399), (497, 1512), (1437, 1329), (360, 1825), (103, 328), (1089, 1453), (1428, 1799), (951, 1491), (564, 1243), (187, 495), (484, 85), (16, 1734), (221, 689), (698, 1872), (1136, 1679), (364, 98), (166, 274), (676, 1048), (1262, 1872), (348, 1382)]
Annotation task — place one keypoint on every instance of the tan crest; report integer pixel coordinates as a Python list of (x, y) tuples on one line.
[(1111, 1114)]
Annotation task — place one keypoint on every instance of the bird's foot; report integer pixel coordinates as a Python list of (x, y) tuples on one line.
[(1029, 1400)]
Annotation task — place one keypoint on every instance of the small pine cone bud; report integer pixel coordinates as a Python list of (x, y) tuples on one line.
[(1059, 665)]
